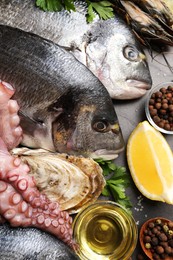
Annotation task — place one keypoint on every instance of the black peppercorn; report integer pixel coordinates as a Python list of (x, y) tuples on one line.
[(163, 237), (154, 241), (159, 250)]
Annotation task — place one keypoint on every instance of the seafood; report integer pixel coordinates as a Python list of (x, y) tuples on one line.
[(152, 20), (20, 201), (63, 106), (31, 244), (169, 3), (69, 180), (108, 48)]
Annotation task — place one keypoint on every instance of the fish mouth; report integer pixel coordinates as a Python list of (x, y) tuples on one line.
[(136, 88), (106, 154), (139, 84)]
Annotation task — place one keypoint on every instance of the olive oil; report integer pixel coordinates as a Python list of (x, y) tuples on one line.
[(103, 234), (105, 230)]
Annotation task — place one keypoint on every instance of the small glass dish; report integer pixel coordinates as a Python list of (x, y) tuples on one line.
[(105, 230), (157, 124), (161, 225)]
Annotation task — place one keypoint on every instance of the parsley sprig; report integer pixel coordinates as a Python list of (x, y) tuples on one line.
[(102, 8), (117, 180), (55, 5)]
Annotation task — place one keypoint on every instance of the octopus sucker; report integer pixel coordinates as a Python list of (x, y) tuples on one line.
[(16, 198), (21, 204), (3, 186)]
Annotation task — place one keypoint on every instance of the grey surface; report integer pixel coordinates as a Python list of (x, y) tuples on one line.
[(130, 113)]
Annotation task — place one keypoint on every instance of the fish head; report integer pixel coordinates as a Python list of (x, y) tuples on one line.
[(115, 56), (91, 130)]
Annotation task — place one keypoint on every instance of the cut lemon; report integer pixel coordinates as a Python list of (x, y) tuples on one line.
[(150, 161)]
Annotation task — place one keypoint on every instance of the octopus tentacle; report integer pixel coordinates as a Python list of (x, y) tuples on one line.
[(10, 131), (20, 213), (20, 201)]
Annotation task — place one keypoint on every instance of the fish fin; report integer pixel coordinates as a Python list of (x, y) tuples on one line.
[(32, 124), (31, 120), (71, 48)]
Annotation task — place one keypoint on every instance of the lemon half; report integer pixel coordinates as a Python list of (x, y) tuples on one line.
[(150, 161)]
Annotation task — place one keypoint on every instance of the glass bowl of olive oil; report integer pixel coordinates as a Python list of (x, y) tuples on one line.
[(105, 230)]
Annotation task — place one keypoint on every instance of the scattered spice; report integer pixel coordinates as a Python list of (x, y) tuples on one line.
[(158, 239), (161, 108)]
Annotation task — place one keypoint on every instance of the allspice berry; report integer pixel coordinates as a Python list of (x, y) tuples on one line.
[(160, 250)]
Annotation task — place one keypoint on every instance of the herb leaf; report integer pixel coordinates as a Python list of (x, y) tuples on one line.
[(55, 5), (117, 180), (102, 8), (49, 5)]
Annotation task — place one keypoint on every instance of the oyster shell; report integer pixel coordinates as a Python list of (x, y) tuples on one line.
[(71, 181)]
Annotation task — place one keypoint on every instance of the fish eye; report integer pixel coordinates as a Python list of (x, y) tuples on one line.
[(131, 53), (101, 126)]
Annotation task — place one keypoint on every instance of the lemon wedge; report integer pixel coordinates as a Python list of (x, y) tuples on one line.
[(150, 162)]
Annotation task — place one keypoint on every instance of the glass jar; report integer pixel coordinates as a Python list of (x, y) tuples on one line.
[(105, 230)]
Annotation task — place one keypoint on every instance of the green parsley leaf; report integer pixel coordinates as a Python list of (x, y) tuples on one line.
[(69, 5), (117, 180), (49, 5), (103, 8), (55, 5)]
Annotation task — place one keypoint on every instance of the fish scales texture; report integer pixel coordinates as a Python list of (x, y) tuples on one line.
[(63, 106), (34, 245), (108, 48)]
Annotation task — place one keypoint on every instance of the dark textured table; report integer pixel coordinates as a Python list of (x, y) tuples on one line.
[(130, 113)]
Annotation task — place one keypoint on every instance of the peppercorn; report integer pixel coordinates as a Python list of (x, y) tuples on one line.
[(154, 241), (151, 225), (170, 243), (163, 90), (156, 256), (170, 107), (168, 250), (165, 105), (151, 101), (147, 245), (165, 228), (170, 232), (158, 221), (154, 230), (163, 237), (147, 239), (170, 224), (159, 250), (158, 94)]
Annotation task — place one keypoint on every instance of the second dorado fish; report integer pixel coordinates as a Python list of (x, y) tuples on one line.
[(63, 106), (108, 48)]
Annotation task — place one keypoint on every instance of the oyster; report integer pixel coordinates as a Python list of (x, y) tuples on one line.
[(69, 180)]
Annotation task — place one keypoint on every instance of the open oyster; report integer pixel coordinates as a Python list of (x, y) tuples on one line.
[(71, 181)]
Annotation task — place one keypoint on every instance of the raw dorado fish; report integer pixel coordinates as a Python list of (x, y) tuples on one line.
[(31, 244), (108, 48), (63, 106)]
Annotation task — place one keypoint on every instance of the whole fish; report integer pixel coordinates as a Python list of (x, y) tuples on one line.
[(108, 48), (31, 244), (63, 106)]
